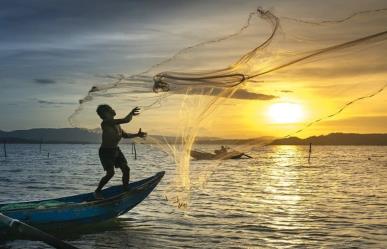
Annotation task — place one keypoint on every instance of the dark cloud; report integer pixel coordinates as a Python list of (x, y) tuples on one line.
[(43, 81), (286, 91), (239, 94), (67, 37), (41, 19), (245, 94), (46, 102)]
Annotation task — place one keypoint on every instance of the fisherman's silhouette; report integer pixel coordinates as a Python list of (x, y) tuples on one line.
[(109, 153), (222, 150)]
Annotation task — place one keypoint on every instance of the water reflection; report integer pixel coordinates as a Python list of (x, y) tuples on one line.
[(276, 200), (283, 188)]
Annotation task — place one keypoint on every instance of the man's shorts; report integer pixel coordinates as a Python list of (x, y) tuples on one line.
[(112, 157)]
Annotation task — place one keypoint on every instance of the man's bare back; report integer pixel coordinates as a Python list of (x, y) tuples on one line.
[(111, 135), (111, 129)]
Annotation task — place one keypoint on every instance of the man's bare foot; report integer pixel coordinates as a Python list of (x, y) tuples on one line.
[(98, 195), (126, 188)]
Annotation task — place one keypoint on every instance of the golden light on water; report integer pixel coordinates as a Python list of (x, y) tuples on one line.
[(285, 112)]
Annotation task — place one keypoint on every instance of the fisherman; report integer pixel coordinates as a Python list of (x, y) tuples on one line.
[(223, 150), (109, 153)]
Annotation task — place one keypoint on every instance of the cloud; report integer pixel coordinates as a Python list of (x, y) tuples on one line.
[(44, 81), (242, 94), (47, 102)]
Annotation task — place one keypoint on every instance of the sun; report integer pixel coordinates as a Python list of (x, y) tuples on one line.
[(285, 112)]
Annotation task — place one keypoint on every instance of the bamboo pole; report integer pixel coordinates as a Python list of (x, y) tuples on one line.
[(135, 151), (250, 157), (310, 151), (5, 148), (33, 233)]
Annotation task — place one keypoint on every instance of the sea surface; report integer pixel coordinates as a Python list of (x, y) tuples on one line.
[(275, 200)]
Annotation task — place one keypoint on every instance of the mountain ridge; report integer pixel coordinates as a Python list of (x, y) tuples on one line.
[(85, 136), (337, 138)]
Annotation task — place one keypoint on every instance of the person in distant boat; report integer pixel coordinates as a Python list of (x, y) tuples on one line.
[(222, 150), (109, 153)]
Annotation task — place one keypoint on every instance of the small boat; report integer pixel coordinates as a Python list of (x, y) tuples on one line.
[(83, 208), (198, 155)]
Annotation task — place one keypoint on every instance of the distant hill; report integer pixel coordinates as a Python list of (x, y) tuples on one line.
[(84, 136), (336, 139), (215, 140), (247, 141), (51, 135)]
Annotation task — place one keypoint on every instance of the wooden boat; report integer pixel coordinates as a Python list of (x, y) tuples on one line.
[(83, 208), (198, 155)]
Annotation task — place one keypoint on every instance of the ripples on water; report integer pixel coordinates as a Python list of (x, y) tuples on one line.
[(276, 200)]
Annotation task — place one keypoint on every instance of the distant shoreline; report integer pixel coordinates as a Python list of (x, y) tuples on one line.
[(84, 136), (337, 139), (219, 143)]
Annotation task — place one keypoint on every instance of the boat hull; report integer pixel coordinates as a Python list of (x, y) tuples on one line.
[(83, 209), (209, 156)]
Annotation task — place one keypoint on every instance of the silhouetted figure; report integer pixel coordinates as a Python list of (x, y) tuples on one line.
[(223, 150), (109, 152)]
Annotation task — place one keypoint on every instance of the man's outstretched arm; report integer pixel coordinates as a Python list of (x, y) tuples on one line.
[(127, 118), (130, 135)]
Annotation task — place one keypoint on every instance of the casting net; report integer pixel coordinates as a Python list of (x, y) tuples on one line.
[(224, 87)]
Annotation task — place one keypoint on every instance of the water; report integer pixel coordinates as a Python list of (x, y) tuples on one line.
[(276, 200)]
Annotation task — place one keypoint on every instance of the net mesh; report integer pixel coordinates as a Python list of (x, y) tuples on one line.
[(222, 86)]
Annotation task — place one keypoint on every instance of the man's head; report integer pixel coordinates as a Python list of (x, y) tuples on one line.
[(105, 112)]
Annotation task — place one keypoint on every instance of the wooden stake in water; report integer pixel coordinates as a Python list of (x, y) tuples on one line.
[(5, 148), (310, 151), (40, 146), (135, 151)]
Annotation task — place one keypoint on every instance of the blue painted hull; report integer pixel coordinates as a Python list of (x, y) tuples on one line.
[(83, 208)]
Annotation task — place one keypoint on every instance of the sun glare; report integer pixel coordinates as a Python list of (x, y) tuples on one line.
[(285, 113)]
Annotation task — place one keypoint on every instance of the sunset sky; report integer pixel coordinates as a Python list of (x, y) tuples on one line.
[(53, 52)]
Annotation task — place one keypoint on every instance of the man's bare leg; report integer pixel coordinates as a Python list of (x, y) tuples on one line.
[(125, 176), (103, 181)]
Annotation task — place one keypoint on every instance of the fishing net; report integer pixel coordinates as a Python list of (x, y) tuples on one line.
[(223, 87)]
